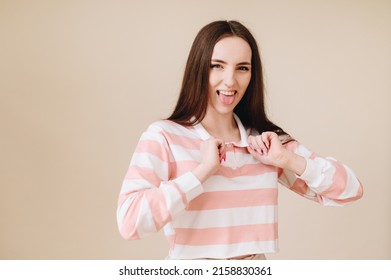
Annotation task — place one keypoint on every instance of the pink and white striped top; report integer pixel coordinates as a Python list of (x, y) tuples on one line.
[(232, 213)]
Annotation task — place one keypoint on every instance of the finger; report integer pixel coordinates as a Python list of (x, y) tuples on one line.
[(252, 142), (261, 145), (257, 155), (273, 139), (249, 141), (265, 139), (254, 146), (252, 152)]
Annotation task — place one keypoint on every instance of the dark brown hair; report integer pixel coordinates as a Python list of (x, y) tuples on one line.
[(193, 97)]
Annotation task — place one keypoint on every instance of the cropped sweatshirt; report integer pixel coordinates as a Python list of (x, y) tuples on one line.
[(234, 212)]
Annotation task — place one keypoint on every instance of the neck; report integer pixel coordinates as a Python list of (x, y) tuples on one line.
[(221, 126)]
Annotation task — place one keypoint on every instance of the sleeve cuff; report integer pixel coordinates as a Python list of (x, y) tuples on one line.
[(314, 174), (189, 185), (309, 173)]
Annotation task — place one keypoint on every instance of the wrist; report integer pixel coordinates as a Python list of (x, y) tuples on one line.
[(294, 163), (202, 172)]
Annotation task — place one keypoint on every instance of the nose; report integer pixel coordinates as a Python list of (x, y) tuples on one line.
[(229, 78)]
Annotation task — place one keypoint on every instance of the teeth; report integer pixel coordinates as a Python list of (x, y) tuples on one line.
[(227, 92)]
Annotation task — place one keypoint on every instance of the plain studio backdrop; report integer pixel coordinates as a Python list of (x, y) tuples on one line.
[(81, 80)]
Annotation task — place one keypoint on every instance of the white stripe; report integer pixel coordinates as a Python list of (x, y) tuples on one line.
[(329, 202), (303, 151), (223, 251), (123, 209), (145, 222), (311, 195), (152, 162), (327, 174), (173, 129), (235, 160), (227, 217), (201, 131), (173, 198), (130, 185), (189, 184), (352, 185), (180, 153), (221, 183), (319, 174), (153, 136), (168, 229)]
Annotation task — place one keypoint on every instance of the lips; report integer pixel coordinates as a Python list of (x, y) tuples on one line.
[(226, 97), (226, 92)]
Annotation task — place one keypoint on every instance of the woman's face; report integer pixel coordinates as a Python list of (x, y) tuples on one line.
[(230, 74)]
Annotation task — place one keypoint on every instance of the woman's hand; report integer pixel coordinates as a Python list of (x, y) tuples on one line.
[(267, 148), (212, 154)]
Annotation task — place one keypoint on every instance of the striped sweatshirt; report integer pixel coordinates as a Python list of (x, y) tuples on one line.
[(234, 212)]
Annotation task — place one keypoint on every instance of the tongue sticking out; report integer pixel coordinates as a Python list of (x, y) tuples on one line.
[(226, 99)]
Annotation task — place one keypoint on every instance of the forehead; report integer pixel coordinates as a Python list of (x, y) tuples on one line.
[(232, 49)]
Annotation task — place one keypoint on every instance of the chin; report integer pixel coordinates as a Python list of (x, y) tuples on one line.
[(225, 110)]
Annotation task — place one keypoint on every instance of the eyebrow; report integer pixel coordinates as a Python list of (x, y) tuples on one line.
[(222, 61)]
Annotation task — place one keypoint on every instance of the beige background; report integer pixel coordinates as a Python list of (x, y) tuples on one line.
[(80, 80)]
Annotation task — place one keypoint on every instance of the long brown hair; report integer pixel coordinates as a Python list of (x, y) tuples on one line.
[(193, 97)]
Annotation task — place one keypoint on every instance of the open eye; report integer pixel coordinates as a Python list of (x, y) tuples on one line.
[(244, 68), (216, 66)]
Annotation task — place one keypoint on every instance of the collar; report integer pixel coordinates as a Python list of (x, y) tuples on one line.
[(201, 131)]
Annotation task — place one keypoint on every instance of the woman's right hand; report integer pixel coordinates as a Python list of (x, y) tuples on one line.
[(212, 154)]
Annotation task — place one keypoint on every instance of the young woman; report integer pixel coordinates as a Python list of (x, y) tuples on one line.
[(208, 174)]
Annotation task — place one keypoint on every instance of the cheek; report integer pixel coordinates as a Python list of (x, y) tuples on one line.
[(245, 81), (213, 80), (211, 90)]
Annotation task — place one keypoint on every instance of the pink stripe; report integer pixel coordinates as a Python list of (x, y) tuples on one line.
[(339, 182), (232, 199), (228, 235), (299, 186), (183, 166), (280, 172), (136, 172), (359, 194), (183, 141), (157, 204), (154, 148), (237, 150), (246, 170), (313, 156), (255, 169)]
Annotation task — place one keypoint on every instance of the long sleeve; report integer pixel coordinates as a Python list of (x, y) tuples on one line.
[(149, 197), (325, 180)]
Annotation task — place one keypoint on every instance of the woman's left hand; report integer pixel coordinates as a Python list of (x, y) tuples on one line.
[(267, 148)]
